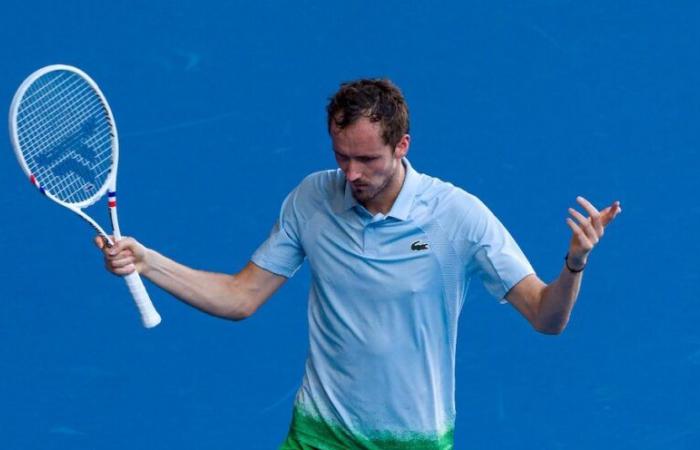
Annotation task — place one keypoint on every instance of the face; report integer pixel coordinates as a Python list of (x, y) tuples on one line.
[(371, 167)]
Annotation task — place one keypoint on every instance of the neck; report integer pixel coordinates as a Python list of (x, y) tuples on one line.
[(383, 202)]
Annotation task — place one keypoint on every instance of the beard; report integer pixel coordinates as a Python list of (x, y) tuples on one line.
[(365, 192)]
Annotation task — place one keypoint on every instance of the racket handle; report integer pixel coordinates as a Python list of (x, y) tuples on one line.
[(149, 315)]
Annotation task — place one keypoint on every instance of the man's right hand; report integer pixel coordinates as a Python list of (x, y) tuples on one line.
[(124, 256), (233, 297)]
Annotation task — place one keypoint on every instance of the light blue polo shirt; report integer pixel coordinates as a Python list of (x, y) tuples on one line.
[(385, 297)]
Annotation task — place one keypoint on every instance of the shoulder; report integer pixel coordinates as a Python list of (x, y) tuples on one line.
[(459, 213), (444, 198), (316, 190), (322, 183), (320, 186)]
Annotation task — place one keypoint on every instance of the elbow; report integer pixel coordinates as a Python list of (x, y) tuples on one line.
[(553, 331), (552, 328), (240, 312), (237, 316), (230, 310), (238, 304)]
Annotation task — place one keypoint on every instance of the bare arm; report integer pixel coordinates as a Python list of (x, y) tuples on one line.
[(548, 306), (232, 297)]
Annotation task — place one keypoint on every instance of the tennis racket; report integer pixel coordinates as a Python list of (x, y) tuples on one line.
[(65, 138)]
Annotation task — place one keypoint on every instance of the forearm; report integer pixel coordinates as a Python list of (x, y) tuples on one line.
[(214, 293), (548, 307), (557, 302)]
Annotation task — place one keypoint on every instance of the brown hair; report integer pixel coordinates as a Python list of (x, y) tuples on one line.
[(377, 99)]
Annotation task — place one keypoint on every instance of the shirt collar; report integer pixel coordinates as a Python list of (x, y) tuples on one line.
[(402, 205)]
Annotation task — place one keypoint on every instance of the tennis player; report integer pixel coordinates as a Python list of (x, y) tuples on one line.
[(392, 252)]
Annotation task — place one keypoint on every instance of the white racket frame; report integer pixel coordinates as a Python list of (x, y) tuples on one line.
[(149, 315)]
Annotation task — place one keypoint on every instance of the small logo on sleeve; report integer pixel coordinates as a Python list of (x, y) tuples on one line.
[(418, 246)]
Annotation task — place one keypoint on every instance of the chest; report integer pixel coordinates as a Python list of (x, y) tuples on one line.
[(369, 256)]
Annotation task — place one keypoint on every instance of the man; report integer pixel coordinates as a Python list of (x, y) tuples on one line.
[(391, 252)]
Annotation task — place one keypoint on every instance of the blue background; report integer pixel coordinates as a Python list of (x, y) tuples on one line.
[(220, 107)]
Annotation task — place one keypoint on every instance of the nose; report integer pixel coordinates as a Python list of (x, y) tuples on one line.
[(352, 172)]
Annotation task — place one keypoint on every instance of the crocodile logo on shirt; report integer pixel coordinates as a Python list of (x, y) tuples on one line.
[(418, 246)]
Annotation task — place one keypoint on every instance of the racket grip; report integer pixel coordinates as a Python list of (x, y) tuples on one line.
[(149, 315)]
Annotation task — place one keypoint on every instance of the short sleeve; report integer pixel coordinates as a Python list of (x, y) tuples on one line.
[(282, 253), (496, 257)]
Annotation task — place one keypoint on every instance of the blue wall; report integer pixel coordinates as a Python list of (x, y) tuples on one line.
[(220, 107)]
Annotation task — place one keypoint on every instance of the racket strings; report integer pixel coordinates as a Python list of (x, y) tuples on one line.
[(66, 136), (35, 134), (39, 118), (35, 114), (45, 128)]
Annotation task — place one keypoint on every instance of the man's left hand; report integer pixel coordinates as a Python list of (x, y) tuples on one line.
[(587, 231)]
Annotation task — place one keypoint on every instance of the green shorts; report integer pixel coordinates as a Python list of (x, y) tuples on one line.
[(292, 443)]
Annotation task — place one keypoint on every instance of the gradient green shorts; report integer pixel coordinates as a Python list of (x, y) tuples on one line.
[(291, 443)]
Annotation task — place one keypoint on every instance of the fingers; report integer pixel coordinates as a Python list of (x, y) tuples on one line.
[(609, 213), (118, 247), (587, 231), (585, 224), (104, 242), (124, 244), (121, 266), (593, 213), (119, 259), (582, 239)]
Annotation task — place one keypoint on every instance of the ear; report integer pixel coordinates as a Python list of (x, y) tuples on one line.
[(401, 149)]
